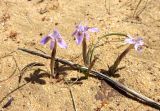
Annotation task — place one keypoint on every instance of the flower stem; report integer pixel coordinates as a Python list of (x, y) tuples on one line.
[(91, 66), (84, 51), (114, 67), (52, 63)]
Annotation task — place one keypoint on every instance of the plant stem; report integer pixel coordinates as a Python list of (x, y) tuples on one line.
[(114, 67), (91, 66), (84, 51), (52, 63)]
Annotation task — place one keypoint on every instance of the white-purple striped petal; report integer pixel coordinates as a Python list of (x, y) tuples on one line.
[(138, 43), (138, 47)]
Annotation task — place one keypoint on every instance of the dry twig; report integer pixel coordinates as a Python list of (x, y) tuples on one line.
[(120, 86)]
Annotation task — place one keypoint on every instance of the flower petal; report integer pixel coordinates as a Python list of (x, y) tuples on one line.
[(82, 31), (138, 47), (93, 29), (45, 39), (56, 34), (81, 28), (52, 44), (130, 40), (79, 38), (139, 41), (74, 33), (61, 43), (86, 28)]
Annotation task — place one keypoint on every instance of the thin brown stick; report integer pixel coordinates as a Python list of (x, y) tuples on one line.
[(120, 86), (145, 6), (137, 7)]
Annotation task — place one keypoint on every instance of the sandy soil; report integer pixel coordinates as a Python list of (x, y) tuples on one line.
[(24, 22)]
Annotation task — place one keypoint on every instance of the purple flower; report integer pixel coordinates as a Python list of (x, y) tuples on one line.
[(138, 42), (82, 31), (54, 37)]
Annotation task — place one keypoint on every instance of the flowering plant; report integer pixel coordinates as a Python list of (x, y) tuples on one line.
[(81, 34), (135, 43), (55, 38)]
